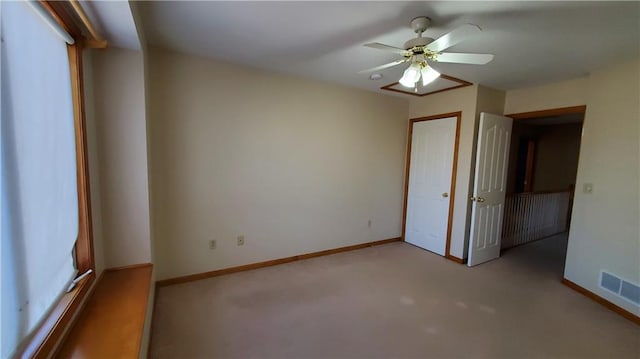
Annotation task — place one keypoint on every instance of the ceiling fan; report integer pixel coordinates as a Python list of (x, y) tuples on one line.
[(422, 50)]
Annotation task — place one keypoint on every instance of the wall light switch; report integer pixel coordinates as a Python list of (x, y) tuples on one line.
[(587, 188), (240, 240), (212, 244)]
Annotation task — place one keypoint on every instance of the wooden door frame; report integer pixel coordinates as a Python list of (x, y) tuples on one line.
[(452, 191), (555, 112), (547, 113)]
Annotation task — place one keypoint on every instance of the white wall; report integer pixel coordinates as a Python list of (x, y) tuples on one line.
[(293, 165), (118, 131), (605, 233)]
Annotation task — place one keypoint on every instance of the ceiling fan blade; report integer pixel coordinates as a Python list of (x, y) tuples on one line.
[(385, 66), (460, 58), (379, 46), (447, 40)]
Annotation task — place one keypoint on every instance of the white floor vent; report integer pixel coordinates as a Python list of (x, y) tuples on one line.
[(620, 287)]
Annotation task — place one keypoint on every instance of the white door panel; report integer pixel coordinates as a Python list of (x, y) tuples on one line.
[(488, 196), (431, 165)]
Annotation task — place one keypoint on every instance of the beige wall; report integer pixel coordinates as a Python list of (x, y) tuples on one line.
[(298, 166), (295, 166), (556, 159), (605, 233), (117, 139), (471, 100), (556, 155), (560, 94)]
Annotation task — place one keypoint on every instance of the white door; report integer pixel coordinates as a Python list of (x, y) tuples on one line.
[(428, 197), (489, 189)]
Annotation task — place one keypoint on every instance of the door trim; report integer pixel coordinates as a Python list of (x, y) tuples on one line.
[(452, 191), (549, 112)]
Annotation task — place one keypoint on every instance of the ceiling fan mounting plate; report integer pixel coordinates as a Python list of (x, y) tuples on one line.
[(420, 24)]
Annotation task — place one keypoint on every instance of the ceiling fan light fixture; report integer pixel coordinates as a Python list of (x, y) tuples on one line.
[(420, 51), (411, 75), (429, 75)]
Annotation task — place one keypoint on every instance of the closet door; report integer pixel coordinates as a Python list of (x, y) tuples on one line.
[(430, 183)]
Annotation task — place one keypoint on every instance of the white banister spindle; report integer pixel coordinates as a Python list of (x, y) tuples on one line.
[(532, 216)]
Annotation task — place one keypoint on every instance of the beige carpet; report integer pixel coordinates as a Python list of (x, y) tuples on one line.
[(396, 301)]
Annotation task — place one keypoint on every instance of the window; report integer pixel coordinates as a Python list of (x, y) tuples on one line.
[(45, 218)]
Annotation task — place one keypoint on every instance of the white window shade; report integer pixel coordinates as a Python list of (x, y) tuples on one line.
[(39, 186)]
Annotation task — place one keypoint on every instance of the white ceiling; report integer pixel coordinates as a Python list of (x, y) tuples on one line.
[(533, 42)]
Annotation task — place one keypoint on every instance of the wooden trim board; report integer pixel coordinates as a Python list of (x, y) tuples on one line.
[(246, 267), (461, 83), (548, 113), (456, 259), (589, 294), (452, 191)]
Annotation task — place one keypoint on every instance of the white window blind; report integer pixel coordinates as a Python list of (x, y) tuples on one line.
[(38, 172)]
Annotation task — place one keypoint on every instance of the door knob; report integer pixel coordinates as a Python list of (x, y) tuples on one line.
[(480, 199), (473, 199), (445, 195)]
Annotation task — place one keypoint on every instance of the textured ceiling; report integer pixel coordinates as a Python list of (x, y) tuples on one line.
[(533, 42)]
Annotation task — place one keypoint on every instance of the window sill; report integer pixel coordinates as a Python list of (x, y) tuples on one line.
[(112, 322)]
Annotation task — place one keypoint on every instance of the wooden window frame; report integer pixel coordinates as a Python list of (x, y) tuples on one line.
[(44, 340)]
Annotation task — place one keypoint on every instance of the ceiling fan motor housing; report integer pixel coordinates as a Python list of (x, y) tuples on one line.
[(417, 42), (419, 25)]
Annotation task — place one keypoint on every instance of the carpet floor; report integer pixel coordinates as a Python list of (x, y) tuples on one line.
[(394, 300)]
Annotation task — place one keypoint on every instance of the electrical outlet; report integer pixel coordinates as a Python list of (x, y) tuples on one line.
[(241, 240), (212, 244), (369, 224)]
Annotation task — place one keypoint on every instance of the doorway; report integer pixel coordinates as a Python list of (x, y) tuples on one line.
[(543, 165), (432, 155)]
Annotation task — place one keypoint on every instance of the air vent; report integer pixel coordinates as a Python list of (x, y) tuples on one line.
[(630, 291), (620, 287), (610, 282)]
